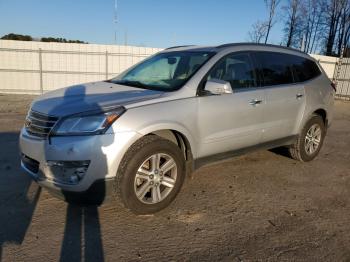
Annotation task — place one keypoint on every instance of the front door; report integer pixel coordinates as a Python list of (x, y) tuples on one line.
[(231, 121)]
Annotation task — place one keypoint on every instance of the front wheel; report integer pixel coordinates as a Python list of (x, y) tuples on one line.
[(310, 141), (150, 175)]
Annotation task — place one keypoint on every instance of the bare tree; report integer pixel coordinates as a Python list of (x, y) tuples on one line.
[(333, 19), (344, 28), (293, 20), (312, 18), (257, 32), (312, 22), (317, 10), (271, 6)]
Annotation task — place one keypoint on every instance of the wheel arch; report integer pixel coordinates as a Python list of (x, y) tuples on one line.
[(178, 139), (322, 113), (174, 132), (181, 140)]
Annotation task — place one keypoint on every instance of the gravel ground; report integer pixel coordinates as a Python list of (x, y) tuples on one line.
[(261, 206)]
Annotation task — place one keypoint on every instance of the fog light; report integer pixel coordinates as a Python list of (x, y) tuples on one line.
[(74, 179), (67, 172)]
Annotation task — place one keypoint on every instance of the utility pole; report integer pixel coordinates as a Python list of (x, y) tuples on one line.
[(115, 20), (302, 44), (126, 37)]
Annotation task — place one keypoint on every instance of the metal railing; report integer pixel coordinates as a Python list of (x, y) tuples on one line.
[(342, 78)]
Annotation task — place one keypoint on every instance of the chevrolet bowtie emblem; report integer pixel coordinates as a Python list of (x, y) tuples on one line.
[(28, 123)]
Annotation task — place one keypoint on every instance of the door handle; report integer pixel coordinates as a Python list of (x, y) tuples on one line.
[(255, 102), (299, 96)]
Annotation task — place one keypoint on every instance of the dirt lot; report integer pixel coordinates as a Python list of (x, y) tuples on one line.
[(259, 206)]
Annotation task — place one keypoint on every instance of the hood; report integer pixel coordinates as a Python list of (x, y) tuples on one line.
[(91, 96)]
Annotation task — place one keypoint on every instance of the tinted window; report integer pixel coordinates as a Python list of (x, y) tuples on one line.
[(304, 69), (236, 69), (276, 68)]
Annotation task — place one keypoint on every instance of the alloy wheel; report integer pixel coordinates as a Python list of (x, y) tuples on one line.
[(155, 178), (313, 139)]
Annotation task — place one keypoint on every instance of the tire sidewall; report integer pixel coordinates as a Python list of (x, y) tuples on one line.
[(313, 120), (126, 182)]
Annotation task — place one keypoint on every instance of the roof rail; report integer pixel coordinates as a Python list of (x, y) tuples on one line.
[(172, 47), (258, 44)]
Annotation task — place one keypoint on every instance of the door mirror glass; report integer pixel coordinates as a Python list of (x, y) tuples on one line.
[(218, 87)]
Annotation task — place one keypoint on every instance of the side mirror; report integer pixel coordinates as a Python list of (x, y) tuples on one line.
[(218, 87), (172, 60)]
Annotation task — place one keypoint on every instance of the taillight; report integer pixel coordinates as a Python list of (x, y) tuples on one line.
[(334, 86)]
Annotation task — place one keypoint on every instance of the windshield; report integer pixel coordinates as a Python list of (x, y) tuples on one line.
[(165, 71)]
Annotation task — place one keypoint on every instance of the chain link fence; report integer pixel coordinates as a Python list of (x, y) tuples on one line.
[(50, 66), (36, 67)]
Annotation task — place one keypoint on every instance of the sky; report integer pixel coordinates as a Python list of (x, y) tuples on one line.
[(153, 23)]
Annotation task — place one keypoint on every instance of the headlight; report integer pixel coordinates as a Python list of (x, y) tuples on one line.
[(87, 124)]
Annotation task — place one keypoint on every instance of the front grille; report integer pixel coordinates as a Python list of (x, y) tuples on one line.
[(31, 164), (38, 124)]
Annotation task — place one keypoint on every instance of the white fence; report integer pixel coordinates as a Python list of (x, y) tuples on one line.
[(328, 64), (36, 67)]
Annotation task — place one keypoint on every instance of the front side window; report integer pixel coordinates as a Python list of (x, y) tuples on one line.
[(165, 71), (276, 68), (236, 69)]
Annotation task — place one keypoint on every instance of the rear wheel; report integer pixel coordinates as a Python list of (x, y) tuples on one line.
[(150, 175), (310, 141)]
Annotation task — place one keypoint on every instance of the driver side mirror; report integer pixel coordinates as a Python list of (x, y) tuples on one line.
[(218, 87)]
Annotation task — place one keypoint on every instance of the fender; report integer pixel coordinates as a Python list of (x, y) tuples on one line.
[(175, 126), (308, 113)]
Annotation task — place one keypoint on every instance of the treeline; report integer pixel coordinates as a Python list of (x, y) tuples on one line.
[(312, 25), (43, 39)]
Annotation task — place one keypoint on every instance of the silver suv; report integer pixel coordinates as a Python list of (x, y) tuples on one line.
[(140, 134)]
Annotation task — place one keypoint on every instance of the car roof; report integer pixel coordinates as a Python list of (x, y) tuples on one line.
[(245, 46)]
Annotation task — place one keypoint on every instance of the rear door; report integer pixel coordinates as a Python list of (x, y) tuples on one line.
[(231, 121), (285, 99)]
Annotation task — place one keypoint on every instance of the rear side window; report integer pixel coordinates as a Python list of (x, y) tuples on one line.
[(304, 69), (276, 68)]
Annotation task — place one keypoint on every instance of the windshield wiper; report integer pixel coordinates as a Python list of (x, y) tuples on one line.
[(131, 83)]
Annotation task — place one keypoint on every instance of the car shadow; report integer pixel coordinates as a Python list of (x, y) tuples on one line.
[(281, 151), (82, 238), (18, 194), (82, 235)]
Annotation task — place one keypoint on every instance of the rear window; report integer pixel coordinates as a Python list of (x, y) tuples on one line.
[(279, 69), (276, 68), (304, 69)]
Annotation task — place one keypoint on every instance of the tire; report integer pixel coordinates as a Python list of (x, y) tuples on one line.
[(304, 149), (138, 178)]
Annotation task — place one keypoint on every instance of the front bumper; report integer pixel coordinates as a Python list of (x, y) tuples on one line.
[(103, 151)]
